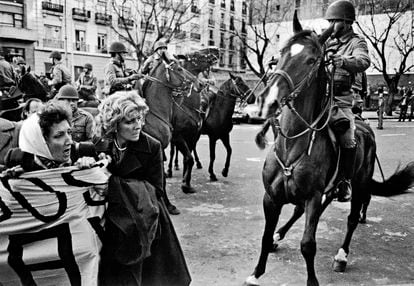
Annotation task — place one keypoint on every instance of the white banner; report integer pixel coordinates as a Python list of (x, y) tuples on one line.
[(51, 227)]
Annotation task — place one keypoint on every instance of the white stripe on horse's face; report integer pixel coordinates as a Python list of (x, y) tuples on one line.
[(270, 99), (296, 49)]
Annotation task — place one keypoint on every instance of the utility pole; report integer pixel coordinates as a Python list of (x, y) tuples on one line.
[(66, 33)]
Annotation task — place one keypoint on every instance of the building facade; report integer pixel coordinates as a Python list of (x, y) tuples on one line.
[(83, 29)]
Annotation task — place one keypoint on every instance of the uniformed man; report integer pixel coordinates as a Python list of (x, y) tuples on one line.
[(8, 76), (82, 121), (116, 78), (348, 53), (86, 85), (160, 48), (60, 73)]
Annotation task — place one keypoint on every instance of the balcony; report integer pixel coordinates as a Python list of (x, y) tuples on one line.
[(223, 26), (52, 7), (195, 36), (147, 27), (101, 49), (81, 14), (125, 22), (212, 2), (103, 19), (180, 35), (81, 46), (53, 43), (211, 22)]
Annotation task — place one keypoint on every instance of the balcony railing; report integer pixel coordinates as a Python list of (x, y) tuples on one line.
[(103, 19), (101, 49), (52, 7), (81, 14), (180, 35), (195, 36), (52, 43), (81, 46), (222, 26), (125, 22), (210, 22)]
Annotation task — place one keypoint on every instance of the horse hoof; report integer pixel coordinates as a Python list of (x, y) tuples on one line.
[(251, 281), (362, 219), (169, 174), (225, 173), (199, 166), (274, 247), (213, 178), (172, 210), (188, 190), (339, 266)]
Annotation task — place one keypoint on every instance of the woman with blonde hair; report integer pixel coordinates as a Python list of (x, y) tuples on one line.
[(140, 247)]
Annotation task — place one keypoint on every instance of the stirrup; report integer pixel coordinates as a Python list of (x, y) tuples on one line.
[(344, 191)]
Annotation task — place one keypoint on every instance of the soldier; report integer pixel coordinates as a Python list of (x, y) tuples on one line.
[(60, 74), (348, 53), (86, 85), (8, 76), (82, 121), (116, 78), (152, 61)]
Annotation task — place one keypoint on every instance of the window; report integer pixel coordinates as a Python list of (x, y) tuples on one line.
[(232, 23), (231, 5), (80, 4), (11, 19), (244, 8), (102, 42), (231, 56), (101, 8), (12, 52), (80, 44), (211, 34), (223, 4), (53, 32)]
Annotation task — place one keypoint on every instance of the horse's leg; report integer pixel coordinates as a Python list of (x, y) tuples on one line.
[(271, 212), (169, 170), (212, 144), (341, 260), (172, 209), (188, 163), (365, 203), (176, 166), (198, 163), (308, 243), (281, 232), (226, 142)]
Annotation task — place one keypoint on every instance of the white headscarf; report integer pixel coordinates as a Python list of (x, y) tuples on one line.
[(31, 139)]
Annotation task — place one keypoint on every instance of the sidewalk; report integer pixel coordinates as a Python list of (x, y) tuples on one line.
[(374, 115)]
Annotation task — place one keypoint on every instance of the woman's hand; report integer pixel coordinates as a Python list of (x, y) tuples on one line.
[(103, 156), (85, 162)]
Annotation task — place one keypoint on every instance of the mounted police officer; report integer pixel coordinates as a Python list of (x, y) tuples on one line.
[(8, 75), (60, 73), (116, 78), (348, 53), (160, 48)]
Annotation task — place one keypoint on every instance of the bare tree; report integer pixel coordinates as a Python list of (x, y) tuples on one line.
[(391, 37), (150, 20), (257, 36)]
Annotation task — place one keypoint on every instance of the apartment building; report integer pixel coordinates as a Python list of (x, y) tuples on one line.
[(81, 30)]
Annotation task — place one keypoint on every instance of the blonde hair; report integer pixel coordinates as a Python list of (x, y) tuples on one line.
[(115, 108)]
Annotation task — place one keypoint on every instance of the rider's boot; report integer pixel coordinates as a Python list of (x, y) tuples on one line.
[(348, 156)]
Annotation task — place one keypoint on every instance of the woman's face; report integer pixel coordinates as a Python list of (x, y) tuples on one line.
[(129, 128), (59, 141)]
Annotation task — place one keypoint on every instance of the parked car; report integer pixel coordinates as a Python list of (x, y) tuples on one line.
[(248, 114)]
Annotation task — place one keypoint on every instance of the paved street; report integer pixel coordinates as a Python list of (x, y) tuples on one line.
[(220, 227)]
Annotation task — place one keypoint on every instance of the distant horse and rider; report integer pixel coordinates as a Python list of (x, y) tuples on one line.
[(301, 167)]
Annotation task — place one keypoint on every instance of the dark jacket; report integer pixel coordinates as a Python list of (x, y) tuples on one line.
[(142, 161), (9, 138)]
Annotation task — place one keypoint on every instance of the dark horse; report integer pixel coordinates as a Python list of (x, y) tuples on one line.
[(165, 80), (302, 165), (31, 86)]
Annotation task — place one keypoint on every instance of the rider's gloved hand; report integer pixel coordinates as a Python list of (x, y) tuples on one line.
[(337, 60), (135, 76)]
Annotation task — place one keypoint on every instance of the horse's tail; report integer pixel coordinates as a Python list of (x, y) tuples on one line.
[(261, 140), (398, 183)]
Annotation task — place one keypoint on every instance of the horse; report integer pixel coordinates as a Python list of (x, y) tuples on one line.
[(166, 79), (31, 86), (301, 166)]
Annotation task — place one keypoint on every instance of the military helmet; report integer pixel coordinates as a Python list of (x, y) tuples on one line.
[(159, 45), (56, 55), (341, 10), (67, 92), (117, 47), (88, 66)]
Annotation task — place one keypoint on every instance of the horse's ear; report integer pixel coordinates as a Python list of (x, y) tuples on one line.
[(297, 27), (29, 69), (326, 34), (23, 71)]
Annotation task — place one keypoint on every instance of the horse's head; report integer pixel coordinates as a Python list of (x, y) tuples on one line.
[(298, 65), (238, 87)]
